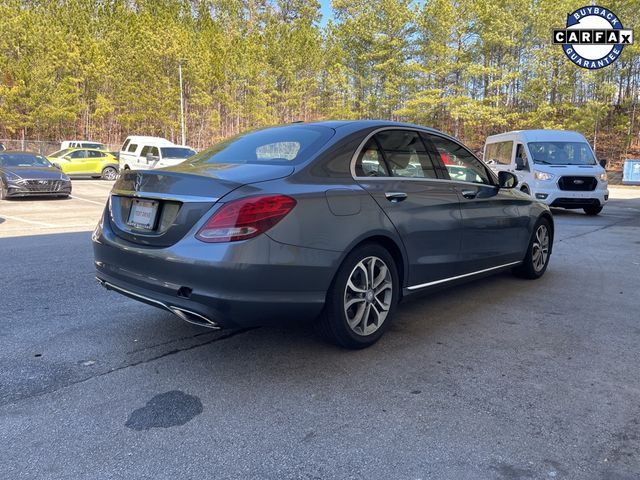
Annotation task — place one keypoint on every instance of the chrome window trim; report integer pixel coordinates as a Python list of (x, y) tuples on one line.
[(457, 277), (354, 159)]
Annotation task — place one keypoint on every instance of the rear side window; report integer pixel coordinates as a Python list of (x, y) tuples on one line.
[(132, 147), (405, 154), (499, 153), (370, 162), (277, 146), (95, 154)]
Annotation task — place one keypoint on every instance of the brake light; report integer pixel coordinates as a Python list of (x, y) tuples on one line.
[(245, 218)]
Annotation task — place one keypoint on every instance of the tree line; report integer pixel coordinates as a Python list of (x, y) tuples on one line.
[(103, 69)]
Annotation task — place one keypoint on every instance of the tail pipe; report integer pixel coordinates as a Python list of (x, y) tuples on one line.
[(182, 313)]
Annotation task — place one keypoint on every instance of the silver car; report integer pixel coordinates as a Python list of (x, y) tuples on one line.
[(333, 222)]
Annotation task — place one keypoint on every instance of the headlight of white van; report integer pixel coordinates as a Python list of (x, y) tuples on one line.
[(543, 176), (603, 177)]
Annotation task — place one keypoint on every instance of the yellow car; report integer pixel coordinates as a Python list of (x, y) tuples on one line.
[(86, 162)]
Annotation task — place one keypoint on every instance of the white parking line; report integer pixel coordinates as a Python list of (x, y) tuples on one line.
[(87, 200), (32, 222)]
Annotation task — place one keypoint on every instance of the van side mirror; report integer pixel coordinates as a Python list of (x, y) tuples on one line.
[(507, 179), (603, 163)]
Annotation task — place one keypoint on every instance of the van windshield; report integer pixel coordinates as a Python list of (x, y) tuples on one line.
[(274, 146), (562, 153)]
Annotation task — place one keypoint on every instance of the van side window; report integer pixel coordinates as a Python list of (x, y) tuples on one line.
[(499, 153), (144, 151), (125, 145), (132, 147), (522, 160), (154, 151)]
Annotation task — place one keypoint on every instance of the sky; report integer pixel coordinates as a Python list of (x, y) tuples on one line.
[(326, 11)]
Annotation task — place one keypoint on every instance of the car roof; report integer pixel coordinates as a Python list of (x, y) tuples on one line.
[(356, 125), (540, 135)]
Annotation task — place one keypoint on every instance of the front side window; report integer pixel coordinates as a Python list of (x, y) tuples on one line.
[(177, 152), (460, 163), (522, 160), (405, 154), (499, 153), (369, 162), (562, 153), (78, 154)]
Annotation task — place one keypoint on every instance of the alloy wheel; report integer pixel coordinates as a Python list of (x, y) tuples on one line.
[(368, 295), (540, 248), (109, 173)]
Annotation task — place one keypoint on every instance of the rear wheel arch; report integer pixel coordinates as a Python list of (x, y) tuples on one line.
[(388, 244)]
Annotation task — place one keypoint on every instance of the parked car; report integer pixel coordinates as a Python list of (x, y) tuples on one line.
[(2, 147), (25, 174), (557, 167), (86, 162), (335, 220), (139, 152)]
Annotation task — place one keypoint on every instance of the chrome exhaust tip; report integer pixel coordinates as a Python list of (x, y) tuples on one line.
[(193, 317)]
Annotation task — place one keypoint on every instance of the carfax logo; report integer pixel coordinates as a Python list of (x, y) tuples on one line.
[(594, 37)]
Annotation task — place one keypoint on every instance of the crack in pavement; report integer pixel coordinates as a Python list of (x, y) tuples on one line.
[(626, 219), (134, 364)]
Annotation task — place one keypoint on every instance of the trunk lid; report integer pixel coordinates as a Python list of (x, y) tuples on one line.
[(177, 197)]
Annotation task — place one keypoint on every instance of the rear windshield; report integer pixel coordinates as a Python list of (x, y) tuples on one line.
[(22, 160), (177, 152), (275, 146), (562, 153)]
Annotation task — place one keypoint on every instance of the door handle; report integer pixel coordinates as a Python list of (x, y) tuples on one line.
[(470, 194), (395, 197)]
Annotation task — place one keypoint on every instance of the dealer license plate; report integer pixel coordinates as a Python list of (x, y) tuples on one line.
[(143, 214)]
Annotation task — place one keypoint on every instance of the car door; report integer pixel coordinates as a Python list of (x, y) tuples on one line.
[(395, 167), (495, 221), (77, 162), (94, 162)]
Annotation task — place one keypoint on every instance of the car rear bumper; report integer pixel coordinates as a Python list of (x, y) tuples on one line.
[(239, 284)]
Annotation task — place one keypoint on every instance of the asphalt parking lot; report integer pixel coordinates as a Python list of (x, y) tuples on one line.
[(498, 379)]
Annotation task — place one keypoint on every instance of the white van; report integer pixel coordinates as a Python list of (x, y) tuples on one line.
[(81, 144), (140, 152), (557, 167)]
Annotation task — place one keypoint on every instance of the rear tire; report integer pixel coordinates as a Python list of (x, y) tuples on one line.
[(3, 191), (109, 173), (536, 261), (592, 211), (362, 298)]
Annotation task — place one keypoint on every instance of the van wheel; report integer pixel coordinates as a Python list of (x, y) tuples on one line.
[(3, 190), (592, 211), (109, 173), (538, 252), (525, 190), (362, 298)]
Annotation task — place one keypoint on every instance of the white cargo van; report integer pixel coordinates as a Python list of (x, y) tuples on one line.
[(81, 144), (140, 152), (556, 167)]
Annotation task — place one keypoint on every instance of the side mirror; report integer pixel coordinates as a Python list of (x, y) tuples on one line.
[(507, 179), (57, 166), (603, 163)]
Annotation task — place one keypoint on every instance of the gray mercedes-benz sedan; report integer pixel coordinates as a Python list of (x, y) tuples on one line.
[(331, 221)]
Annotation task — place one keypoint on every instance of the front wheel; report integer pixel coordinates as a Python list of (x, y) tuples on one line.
[(362, 298), (591, 211), (537, 259), (109, 173), (3, 191)]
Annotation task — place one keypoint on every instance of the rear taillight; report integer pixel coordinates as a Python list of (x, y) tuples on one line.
[(245, 218)]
